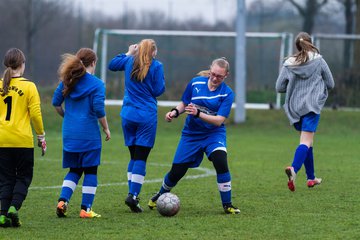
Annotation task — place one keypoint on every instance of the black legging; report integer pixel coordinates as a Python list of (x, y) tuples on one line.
[(218, 158), (86, 170), (139, 152)]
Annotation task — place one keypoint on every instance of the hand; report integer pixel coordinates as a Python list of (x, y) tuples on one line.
[(42, 143), (169, 116), (108, 134), (132, 49), (191, 109)]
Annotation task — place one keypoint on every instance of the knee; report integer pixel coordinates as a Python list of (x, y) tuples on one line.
[(219, 160)]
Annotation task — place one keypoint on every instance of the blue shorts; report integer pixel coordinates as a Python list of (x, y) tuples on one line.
[(81, 159), (191, 148), (308, 122), (139, 133)]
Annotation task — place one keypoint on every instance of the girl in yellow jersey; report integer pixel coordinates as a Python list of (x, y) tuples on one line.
[(19, 106)]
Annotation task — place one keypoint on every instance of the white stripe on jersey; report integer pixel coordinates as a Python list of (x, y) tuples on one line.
[(194, 83), (206, 97)]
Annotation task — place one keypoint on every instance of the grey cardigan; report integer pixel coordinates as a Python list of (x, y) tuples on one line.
[(306, 86)]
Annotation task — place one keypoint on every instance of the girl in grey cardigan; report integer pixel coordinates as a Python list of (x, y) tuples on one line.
[(305, 78)]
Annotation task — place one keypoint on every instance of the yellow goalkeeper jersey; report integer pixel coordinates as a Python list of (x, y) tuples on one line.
[(20, 106)]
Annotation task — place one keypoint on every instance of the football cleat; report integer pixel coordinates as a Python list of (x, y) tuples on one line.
[(133, 203), (89, 214), (152, 201), (5, 221), (311, 183), (230, 209), (14, 216), (291, 176), (61, 209)]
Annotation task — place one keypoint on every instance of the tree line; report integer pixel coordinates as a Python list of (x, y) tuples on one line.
[(45, 29)]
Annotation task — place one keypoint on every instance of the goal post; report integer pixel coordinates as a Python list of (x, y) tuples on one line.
[(101, 47)]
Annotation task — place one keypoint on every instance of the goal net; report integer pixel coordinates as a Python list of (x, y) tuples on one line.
[(185, 53)]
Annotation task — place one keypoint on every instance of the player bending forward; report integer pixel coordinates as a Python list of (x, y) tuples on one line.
[(207, 100)]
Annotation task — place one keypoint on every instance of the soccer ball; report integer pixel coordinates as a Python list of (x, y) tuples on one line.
[(168, 204)]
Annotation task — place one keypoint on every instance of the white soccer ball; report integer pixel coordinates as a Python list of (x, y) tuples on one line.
[(168, 204)]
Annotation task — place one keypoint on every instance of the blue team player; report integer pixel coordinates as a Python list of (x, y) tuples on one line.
[(83, 95), (207, 100), (144, 82)]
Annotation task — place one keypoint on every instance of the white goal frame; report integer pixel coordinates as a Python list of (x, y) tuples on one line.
[(286, 48)]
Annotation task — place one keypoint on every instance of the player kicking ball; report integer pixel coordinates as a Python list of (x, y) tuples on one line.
[(207, 100)]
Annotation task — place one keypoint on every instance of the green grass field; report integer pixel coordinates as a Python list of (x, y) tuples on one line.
[(258, 152)]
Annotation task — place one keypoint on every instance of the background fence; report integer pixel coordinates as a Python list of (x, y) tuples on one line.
[(185, 53)]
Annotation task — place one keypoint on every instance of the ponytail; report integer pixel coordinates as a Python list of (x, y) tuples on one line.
[(70, 71), (304, 46), (143, 59), (13, 60), (6, 81), (73, 67)]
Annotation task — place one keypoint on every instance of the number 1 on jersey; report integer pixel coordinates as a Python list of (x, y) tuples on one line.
[(8, 101)]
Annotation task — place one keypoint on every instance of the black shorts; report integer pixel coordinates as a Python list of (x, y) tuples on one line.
[(16, 161)]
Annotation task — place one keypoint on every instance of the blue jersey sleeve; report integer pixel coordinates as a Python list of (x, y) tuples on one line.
[(118, 63), (99, 101), (186, 97), (58, 97), (159, 81), (225, 107)]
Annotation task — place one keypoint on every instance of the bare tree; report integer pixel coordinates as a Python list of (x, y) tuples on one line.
[(349, 14), (357, 31), (38, 14), (308, 12)]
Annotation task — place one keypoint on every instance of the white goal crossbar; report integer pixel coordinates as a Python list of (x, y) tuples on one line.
[(102, 35)]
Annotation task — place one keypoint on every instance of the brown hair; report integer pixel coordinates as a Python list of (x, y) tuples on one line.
[(73, 67), (221, 62), (143, 58), (13, 59), (304, 45)]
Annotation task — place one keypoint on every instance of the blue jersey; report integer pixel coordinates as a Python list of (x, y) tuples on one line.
[(216, 102), (140, 104), (83, 107)]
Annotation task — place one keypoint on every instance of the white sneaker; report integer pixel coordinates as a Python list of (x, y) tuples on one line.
[(292, 176)]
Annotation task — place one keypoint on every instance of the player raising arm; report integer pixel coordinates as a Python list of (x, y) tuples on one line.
[(144, 82), (207, 100), (19, 105)]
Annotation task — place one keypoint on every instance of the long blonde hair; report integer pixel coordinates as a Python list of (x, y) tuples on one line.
[(13, 59), (73, 67), (304, 45), (143, 59)]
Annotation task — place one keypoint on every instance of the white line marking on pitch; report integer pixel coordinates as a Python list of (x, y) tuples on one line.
[(206, 173)]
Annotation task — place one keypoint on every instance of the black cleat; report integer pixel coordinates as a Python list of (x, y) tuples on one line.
[(133, 203)]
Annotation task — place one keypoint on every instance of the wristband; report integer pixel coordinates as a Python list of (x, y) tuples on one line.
[(177, 112), (198, 113)]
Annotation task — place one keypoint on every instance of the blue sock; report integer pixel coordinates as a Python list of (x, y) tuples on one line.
[(89, 190), (69, 184), (224, 186), (167, 185), (137, 177), (309, 164), (299, 157), (129, 172)]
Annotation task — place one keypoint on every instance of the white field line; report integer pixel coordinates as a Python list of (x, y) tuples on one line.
[(205, 173)]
